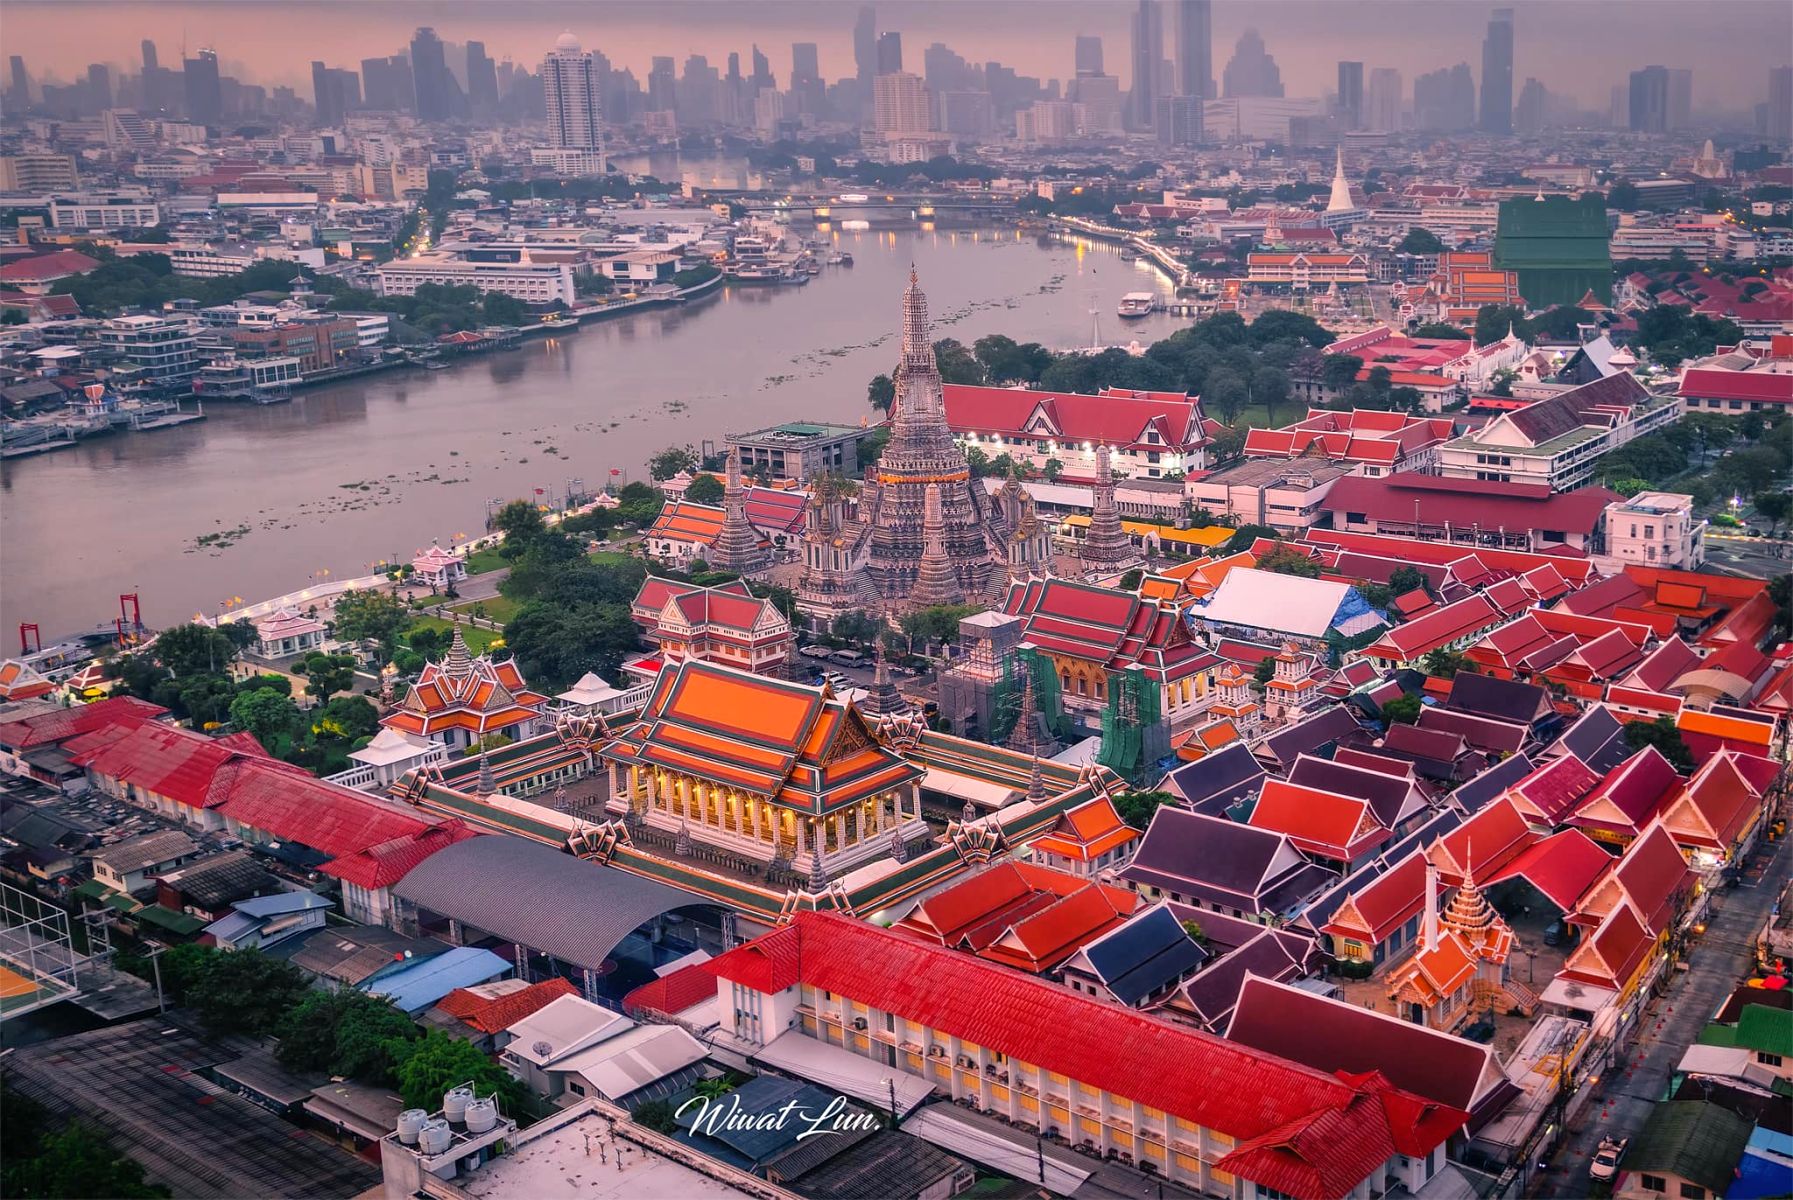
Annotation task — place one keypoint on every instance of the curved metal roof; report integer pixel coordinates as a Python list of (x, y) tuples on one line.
[(532, 894)]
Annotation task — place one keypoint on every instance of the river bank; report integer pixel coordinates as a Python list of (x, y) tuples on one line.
[(373, 469)]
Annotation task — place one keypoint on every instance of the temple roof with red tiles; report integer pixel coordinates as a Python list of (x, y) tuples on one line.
[(1318, 822), (59, 725), (1113, 417), (20, 682), (465, 692), (793, 744), (1112, 629), (1086, 831)]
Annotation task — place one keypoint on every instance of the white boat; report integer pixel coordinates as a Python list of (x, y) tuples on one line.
[(1137, 304), (853, 198)]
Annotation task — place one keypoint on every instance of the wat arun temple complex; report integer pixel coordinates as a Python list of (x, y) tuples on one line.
[(921, 531)]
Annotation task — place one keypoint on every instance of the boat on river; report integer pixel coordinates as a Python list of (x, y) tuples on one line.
[(1137, 304)]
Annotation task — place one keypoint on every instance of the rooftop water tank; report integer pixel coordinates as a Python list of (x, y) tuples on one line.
[(482, 1115), (454, 1103), (435, 1137), (409, 1123)]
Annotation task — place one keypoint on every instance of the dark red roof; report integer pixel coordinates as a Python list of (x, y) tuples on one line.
[(672, 994), (49, 728), (1300, 1130), (494, 1014), (1713, 383), (1562, 866), (55, 265), (1466, 503), (387, 863)]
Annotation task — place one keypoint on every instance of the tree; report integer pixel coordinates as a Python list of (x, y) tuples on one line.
[(1662, 734), (555, 643), (245, 991), (881, 393), (436, 1062), (1444, 664), (1246, 535), (370, 616), (194, 649), (345, 1032), (1420, 241), (1380, 380), (1286, 325), (1052, 470), (1562, 322), (670, 461), (1228, 444), (1502, 383), (1196, 933), (1006, 361), (638, 504), (1339, 371), (1136, 808), (1265, 671), (521, 524), (656, 1115), (705, 489), (75, 1161), (348, 717), (1776, 506), (1270, 387), (1286, 560), (856, 629), (956, 362), (327, 674), (265, 713), (1493, 320), (1622, 195), (1438, 329), (1225, 391), (1402, 710), (1406, 579)]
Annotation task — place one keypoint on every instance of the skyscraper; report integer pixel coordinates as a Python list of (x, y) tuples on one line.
[(1649, 100), (1251, 71), (433, 87), (1179, 120), (482, 78), (574, 100), (865, 46), (1148, 52), (1680, 99), (386, 84), (335, 92), (900, 104), (1350, 101), (99, 87), (890, 53), (205, 95), (149, 55), (806, 78), (1382, 100), (1780, 105), (1445, 99), (662, 84), (1089, 55), (762, 71), (1497, 74), (18, 84), (1195, 49)]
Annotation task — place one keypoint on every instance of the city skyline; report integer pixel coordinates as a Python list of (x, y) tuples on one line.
[(1307, 39)]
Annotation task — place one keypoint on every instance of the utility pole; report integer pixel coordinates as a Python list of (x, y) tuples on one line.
[(155, 963)]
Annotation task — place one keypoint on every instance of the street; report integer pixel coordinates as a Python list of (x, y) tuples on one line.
[(1719, 961)]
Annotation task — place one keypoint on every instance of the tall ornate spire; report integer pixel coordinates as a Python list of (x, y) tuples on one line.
[(458, 661), (488, 782), (738, 547), (1341, 189), (1036, 781), (882, 698), (1029, 736), (918, 350), (1107, 545), (935, 580)]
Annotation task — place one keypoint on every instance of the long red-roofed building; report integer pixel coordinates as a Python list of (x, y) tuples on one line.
[(1150, 434), (1201, 1109), (1478, 513), (1378, 443)]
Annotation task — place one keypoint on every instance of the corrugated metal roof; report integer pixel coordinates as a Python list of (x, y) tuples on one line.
[(526, 892), (415, 988)]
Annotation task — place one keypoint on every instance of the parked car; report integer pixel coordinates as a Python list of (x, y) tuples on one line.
[(815, 652), (1559, 933), (1606, 1159)]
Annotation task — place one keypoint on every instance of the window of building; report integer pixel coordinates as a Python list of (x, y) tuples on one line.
[(1768, 1060), (1653, 1183), (1692, 1191)]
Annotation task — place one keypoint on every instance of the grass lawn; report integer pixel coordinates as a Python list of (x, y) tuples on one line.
[(494, 608), (481, 561), (611, 557), (478, 640)]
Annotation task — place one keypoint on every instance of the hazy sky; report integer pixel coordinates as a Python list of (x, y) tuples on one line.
[(1579, 47)]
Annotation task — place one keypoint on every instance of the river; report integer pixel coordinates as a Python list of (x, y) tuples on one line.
[(375, 468)]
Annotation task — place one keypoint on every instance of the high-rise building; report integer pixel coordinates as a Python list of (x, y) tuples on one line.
[(482, 78), (1532, 109), (1350, 101), (148, 48), (1251, 71), (205, 94), (1178, 121), (574, 99), (946, 71), (1148, 54), (890, 53), (335, 92), (1444, 100), (1382, 100), (1680, 99), (806, 78), (1100, 98), (762, 71), (865, 46), (1088, 60), (18, 83), (99, 87), (662, 84), (1497, 74), (900, 104), (968, 114), (433, 86), (1779, 126), (1649, 100), (700, 91), (1195, 50), (386, 84)]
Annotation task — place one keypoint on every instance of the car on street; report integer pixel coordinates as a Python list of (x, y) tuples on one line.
[(1605, 1164)]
